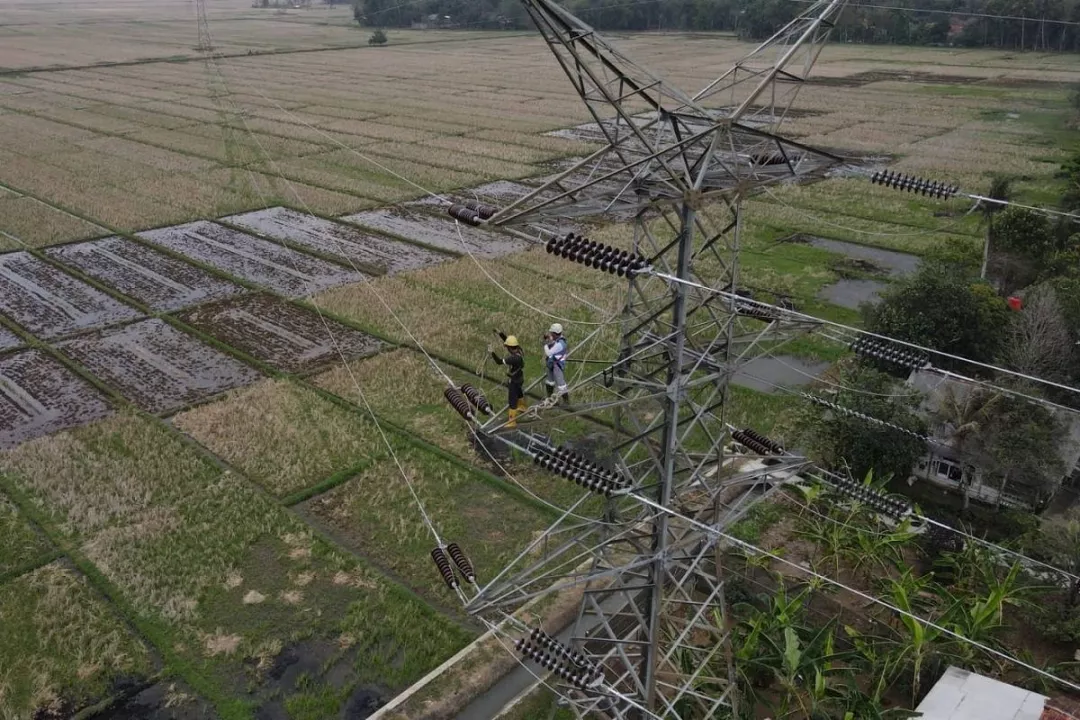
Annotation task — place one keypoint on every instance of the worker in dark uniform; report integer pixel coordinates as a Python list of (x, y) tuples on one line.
[(515, 376)]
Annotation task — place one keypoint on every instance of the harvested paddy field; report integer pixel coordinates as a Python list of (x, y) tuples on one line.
[(157, 367), (285, 437), (49, 303), (38, 395), (375, 253), (229, 581), (261, 262), (439, 232), (161, 282), (8, 339), (195, 545), (284, 336)]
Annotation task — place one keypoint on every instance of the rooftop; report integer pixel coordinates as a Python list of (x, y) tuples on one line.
[(964, 695)]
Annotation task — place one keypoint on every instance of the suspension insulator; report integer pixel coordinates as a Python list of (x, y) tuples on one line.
[(464, 214), (555, 647), (462, 562), (771, 444), (590, 253), (890, 355), (459, 403), (484, 211), (899, 181), (444, 568), (600, 484), (477, 399)]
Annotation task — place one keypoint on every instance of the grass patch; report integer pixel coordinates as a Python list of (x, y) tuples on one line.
[(758, 519), (283, 436), (21, 543), (228, 577), (377, 514), (62, 647)]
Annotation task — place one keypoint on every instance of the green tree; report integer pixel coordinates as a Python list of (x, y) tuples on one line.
[(944, 310), (838, 439), (1000, 189), (377, 38)]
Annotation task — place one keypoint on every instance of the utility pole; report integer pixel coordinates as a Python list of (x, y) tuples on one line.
[(680, 165)]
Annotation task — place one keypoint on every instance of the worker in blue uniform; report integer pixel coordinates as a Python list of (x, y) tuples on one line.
[(555, 351)]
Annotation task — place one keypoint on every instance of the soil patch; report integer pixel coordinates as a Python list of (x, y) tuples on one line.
[(379, 254), (163, 701), (872, 76), (157, 367), (438, 232), (262, 262), (159, 281), (280, 334), (50, 303), (764, 374), (39, 396)]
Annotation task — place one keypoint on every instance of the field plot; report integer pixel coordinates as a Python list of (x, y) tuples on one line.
[(499, 193), (438, 232), (22, 543), (258, 261), (157, 367), (490, 525), (8, 339), (63, 648), (159, 281), (283, 436), (384, 256), (236, 584), (50, 303), (26, 221), (38, 396), (280, 334)]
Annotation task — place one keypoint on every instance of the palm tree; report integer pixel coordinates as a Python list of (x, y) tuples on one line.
[(965, 417)]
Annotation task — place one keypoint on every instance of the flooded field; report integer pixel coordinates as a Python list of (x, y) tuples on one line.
[(765, 373), (8, 340), (282, 335), (379, 254), (39, 396), (156, 366), (155, 279), (851, 292), (261, 262), (500, 193), (163, 701), (50, 303), (437, 232)]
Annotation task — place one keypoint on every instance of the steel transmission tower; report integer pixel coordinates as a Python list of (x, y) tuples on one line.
[(653, 616)]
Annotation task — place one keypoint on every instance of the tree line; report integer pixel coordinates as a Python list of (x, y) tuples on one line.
[(905, 22)]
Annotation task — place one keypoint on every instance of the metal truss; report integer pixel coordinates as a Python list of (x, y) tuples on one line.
[(653, 617)]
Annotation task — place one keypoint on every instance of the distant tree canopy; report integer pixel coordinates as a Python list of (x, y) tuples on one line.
[(943, 309), (757, 19)]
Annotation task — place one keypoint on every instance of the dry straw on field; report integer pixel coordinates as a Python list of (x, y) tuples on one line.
[(284, 437)]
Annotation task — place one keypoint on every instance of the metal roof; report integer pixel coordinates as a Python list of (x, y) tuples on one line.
[(964, 695)]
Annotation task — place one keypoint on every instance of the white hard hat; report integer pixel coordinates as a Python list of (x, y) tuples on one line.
[(556, 328)]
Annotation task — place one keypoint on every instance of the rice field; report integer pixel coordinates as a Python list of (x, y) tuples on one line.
[(222, 271)]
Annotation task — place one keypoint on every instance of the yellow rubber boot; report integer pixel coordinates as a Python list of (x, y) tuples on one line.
[(521, 405), (512, 422)]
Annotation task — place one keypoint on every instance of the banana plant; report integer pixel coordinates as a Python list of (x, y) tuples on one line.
[(917, 638)]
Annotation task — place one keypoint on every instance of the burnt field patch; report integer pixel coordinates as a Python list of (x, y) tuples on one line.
[(280, 334), (157, 367), (379, 254), (270, 265), (155, 279), (438, 232), (49, 303), (39, 396)]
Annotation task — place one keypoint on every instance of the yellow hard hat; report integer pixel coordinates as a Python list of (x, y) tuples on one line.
[(511, 341)]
